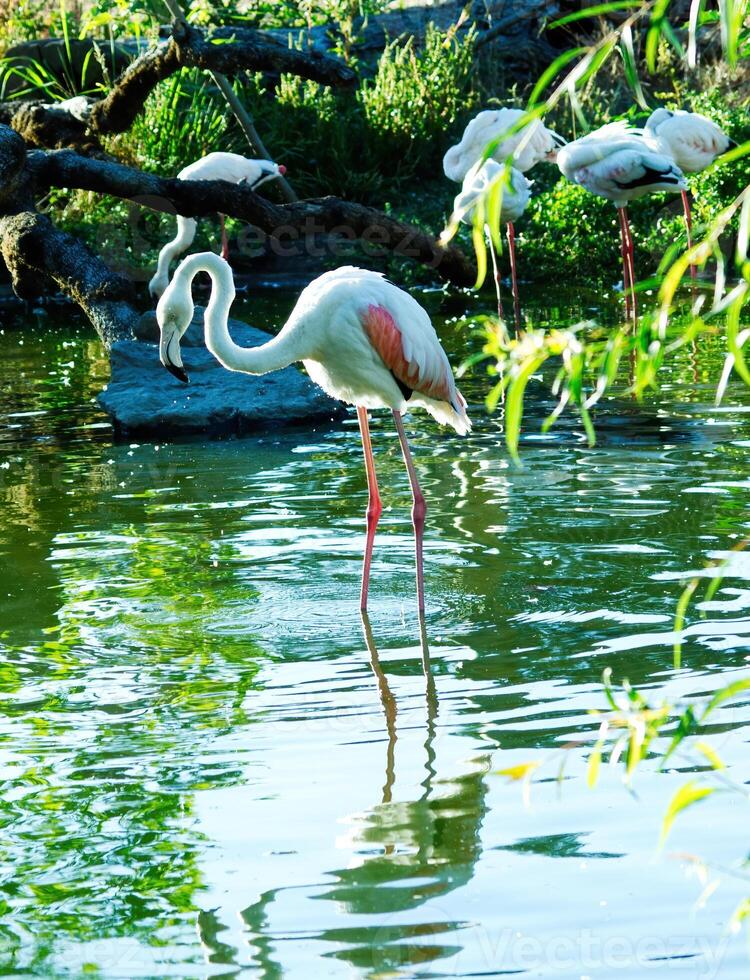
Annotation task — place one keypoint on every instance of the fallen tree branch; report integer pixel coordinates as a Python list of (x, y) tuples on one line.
[(228, 51), (36, 253), (301, 219)]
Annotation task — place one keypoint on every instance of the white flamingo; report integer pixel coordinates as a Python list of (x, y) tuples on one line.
[(618, 164), (515, 196), (529, 146), (363, 340), (232, 167), (692, 141)]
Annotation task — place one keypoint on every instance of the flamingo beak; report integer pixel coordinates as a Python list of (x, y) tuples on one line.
[(171, 358), (179, 372), (282, 169)]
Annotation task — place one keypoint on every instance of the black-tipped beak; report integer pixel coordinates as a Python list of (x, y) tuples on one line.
[(179, 372)]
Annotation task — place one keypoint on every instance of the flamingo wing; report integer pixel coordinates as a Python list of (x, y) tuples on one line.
[(413, 356)]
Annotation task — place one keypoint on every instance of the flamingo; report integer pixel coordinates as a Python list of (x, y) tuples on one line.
[(516, 194), (692, 141), (529, 146), (214, 166), (617, 163), (362, 339)]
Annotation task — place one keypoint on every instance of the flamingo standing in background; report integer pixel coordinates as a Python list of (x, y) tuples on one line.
[(692, 141), (214, 166), (616, 163), (530, 145), (516, 194), (362, 339)]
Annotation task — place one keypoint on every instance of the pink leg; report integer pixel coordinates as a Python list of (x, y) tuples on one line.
[(689, 227), (374, 506), (631, 261), (496, 271), (224, 239), (624, 255), (418, 509), (513, 273)]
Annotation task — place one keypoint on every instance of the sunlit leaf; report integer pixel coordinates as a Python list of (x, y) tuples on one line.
[(725, 694), (514, 403), (630, 65), (521, 771), (553, 70), (596, 10), (679, 619), (686, 796), (711, 754), (658, 17)]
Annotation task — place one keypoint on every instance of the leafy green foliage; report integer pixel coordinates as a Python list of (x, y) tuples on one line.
[(368, 147)]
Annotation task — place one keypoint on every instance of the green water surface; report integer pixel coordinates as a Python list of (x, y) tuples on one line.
[(209, 769)]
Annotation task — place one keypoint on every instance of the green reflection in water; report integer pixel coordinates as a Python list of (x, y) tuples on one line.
[(206, 768)]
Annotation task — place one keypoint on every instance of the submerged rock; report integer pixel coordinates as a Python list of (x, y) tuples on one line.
[(144, 399)]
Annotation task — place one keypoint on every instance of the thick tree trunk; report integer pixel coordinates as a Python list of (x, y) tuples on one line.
[(37, 254)]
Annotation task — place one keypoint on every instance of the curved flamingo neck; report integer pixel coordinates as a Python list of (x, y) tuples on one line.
[(186, 229), (277, 353)]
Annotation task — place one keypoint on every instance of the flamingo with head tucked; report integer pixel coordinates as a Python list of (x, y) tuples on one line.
[(362, 339), (693, 141), (464, 163), (515, 196), (232, 167), (530, 145), (617, 163)]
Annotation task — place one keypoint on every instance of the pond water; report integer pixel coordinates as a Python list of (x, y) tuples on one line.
[(209, 768)]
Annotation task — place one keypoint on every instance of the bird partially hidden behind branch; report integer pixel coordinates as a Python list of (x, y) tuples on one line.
[(235, 169), (618, 164), (362, 339), (514, 192)]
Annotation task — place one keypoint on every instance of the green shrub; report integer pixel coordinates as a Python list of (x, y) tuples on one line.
[(367, 146)]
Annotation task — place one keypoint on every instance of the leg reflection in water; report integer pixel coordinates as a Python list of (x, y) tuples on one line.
[(420, 841), (390, 708)]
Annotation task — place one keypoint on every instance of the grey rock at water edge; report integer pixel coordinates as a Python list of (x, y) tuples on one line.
[(143, 399)]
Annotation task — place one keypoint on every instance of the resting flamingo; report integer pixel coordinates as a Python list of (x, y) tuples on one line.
[(530, 145), (616, 163), (692, 141), (516, 194), (232, 167), (362, 339)]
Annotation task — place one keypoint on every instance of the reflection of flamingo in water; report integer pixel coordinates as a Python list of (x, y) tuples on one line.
[(390, 708), (435, 836), (362, 339)]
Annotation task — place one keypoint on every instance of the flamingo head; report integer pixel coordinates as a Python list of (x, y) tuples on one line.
[(657, 117), (262, 170), (551, 155), (174, 313)]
